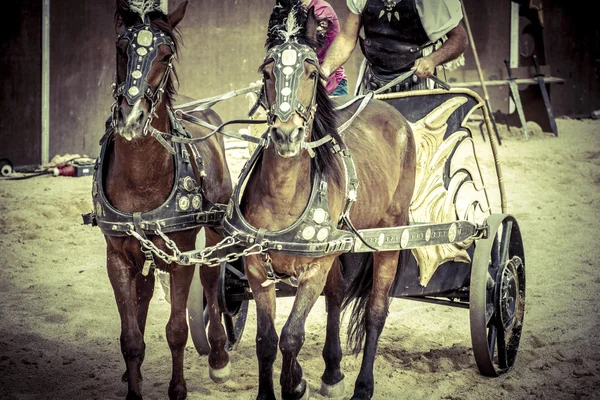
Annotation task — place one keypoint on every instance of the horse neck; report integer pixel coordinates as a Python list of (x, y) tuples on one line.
[(284, 180), (144, 162)]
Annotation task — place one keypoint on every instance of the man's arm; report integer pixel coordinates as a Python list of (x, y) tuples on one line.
[(452, 48), (343, 45)]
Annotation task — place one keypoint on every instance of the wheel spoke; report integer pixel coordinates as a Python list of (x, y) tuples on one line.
[(505, 242), (495, 254), (492, 340), (234, 270), (229, 328), (502, 354), (489, 313)]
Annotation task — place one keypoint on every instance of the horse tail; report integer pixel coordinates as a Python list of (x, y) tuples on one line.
[(358, 271)]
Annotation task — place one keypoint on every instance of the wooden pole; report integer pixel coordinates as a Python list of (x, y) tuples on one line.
[(480, 73), (45, 145)]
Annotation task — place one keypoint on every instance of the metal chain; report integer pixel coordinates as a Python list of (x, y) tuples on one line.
[(170, 243), (230, 257), (148, 245), (200, 257)]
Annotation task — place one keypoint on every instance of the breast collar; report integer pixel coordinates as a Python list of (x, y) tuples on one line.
[(313, 234), (186, 207)]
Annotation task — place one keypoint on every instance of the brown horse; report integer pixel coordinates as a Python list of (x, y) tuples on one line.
[(140, 173), (279, 199)]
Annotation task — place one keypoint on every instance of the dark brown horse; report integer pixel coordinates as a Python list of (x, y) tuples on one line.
[(280, 193), (141, 170)]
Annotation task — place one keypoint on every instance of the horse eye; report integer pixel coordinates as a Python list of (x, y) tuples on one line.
[(166, 58), (314, 75), (266, 76)]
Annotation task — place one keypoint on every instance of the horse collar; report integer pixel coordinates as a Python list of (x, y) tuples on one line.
[(313, 234), (185, 208)]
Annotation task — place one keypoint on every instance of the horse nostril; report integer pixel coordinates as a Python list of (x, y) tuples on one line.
[(276, 134), (297, 134), (140, 119)]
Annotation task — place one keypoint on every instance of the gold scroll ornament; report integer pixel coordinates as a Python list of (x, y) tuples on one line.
[(463, 196)]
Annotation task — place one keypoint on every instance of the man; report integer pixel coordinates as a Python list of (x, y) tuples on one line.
[(337, 84), (399, 36)]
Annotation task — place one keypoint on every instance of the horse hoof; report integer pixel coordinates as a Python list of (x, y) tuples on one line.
[(306, 394), (335, 390), (220, 375), (302, 386)]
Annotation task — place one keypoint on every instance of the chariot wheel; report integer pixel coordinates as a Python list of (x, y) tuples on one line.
[(233, 307), (198, 314), (497, 295)]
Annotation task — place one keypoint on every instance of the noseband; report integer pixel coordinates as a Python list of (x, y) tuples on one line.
[(142, 49), (288, 59)]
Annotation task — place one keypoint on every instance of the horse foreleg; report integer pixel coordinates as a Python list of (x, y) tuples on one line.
[(145, 291), (218, 358), (266, 335), (332, 380), (310, 287), (177, 328), (122, 279), (385, 265)]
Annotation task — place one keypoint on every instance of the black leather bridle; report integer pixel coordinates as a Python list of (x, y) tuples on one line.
[(288, 67), (143, 42)]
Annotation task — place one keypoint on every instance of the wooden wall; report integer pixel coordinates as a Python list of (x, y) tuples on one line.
[(20, 69), (223, 46), (82, 55)]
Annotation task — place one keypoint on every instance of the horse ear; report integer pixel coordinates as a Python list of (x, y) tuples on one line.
[(311, 26), (176, 16)]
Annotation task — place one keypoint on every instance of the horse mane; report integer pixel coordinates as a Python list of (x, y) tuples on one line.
[(288, 22), (124, 17)]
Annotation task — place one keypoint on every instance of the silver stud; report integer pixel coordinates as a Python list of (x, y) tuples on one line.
[(196, 202), (308, 233), (452, 232), (322, 235), (404, 238), (144, 38), (133, 91), (319, 215), (184, 203)]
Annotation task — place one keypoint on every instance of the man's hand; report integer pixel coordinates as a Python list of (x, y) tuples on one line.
[(424, 67)]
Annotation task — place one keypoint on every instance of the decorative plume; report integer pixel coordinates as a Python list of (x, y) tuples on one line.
[(292, 28), (144, 7), (287, 22)]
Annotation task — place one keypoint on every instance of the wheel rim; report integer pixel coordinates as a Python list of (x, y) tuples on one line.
[(198, 315), (497, 296)]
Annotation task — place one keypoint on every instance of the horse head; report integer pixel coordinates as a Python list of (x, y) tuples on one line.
[(146, 48), (291, 76)]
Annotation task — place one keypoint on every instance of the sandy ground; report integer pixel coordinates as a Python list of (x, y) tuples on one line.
[(59, 326)]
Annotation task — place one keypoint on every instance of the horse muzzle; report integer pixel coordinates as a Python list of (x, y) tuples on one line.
[(287, 140), (131, 120)]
